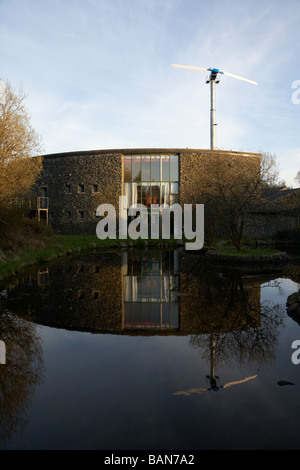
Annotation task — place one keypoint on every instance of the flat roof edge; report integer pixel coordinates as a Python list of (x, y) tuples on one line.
[(146, 151)]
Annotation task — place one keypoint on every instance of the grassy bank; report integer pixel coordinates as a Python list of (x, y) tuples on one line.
[(55, 247), (247, 252)]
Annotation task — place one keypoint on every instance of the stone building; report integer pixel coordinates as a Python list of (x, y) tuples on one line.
[(73, 185)]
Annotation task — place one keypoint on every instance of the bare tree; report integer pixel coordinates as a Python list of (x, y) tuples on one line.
[(235, 193), (18, 143)]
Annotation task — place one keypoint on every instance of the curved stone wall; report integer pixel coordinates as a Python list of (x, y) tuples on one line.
[(76, 183)]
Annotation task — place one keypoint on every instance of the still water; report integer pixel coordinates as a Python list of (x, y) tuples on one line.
[(149, 350)]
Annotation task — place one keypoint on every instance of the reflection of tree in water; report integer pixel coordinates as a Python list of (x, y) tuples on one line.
[(256, 345), (292, 271), (230, 312), (20, 375)]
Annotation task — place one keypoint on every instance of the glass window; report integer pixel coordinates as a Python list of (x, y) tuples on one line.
[(146, 194), (81, 188), (155, 316), (127, 192), (155, 288), (127, 289), (136, 316), (95, 188), (174, 188), (174, 316), (173, 199), (173, 168), (146, 168), (155, 193), (146, 315), (155, 168), (165, 193), (127, 169), (151, 179), (127, 316), (136, 169), (137, 194), (165, 316), (165, 167)]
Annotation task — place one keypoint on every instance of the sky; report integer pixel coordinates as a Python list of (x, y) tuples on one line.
[(98, 73)]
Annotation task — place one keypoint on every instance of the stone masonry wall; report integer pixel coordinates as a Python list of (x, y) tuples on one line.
[(197, 169), (78, 182), (76, 185)]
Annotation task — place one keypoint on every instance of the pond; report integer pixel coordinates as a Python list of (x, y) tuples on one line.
[(150, 349)]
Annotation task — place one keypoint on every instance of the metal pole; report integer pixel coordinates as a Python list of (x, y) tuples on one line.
[(212, 114)]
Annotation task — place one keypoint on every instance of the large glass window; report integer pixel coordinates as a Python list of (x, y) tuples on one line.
[(150, 291), (151, 179)]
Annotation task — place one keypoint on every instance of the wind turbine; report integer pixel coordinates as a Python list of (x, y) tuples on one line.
[(213, 79)]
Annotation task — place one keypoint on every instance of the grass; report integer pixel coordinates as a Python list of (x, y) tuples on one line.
[(57, 247), (41, 248), (247, 252), (224, 247)]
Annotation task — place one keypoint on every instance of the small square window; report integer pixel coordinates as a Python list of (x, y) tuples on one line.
[(81, 214), (95, 188), (81, 188), (68, 214)]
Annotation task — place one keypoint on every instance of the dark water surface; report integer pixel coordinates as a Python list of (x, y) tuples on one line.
[(149, 350)]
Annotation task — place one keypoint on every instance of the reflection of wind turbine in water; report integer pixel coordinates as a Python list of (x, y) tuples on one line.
[(213, 377)]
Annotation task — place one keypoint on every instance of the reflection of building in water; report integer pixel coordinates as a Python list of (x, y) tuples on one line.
[(43, 277), (150, 291)]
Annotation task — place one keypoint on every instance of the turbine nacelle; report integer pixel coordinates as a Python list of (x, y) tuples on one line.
[(215, 72), (213, 75)]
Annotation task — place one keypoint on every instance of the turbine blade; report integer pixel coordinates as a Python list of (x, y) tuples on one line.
[(188, 67), (239, 78)]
